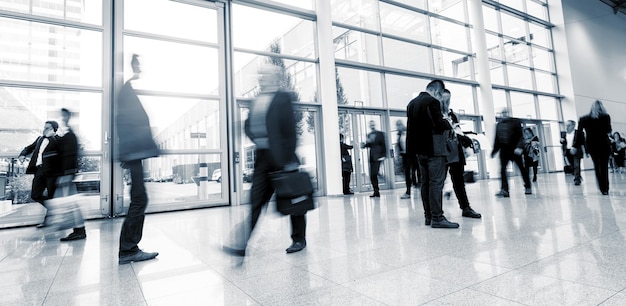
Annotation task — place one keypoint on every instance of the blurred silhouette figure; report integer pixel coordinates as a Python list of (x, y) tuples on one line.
[(594, 131), (346, 164), (618, 147), (531, 152), (406, 158), (425, 120), (378, 151), (510, 143), (68, 145), (271, 125), (44, 164), (571, 153), (135, 144), (457, 169)]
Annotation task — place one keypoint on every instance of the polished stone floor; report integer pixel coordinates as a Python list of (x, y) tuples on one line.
[(562, 245)]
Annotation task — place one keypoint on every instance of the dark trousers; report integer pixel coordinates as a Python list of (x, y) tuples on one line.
[(406, 167), (345, 176), (529, 163), (260, 194), (458, 183), (601, 168), (433, 173), (505, 157), (374, 169), (132, 228), (41, 182), (574, 161)]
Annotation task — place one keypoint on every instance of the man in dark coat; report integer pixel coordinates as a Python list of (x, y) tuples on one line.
[(509, 141), (68, 148), (271, 125), (378, 151), (346, 164), (135, 144), (424, 119), (44, 164), (593, 132)]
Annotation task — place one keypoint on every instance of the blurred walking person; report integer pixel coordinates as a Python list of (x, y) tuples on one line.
[(377, 144), (531, 152), (346, 164), (135, 144), (571, 153), (594, 131)]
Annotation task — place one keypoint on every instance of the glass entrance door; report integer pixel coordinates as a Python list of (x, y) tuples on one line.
[(181, 88), (355, 125)]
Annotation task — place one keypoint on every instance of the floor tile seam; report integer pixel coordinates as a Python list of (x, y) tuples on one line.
[(567, 280), (472, 289), (390, 268), (55, 277), (136, 278), (178, 271), (196, 289)]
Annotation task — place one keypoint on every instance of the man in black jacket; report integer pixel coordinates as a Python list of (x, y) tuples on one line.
[(378, 151), (571, 154), (424, 120), (135, 144), (44, 164), (271, 125), (509, 141)]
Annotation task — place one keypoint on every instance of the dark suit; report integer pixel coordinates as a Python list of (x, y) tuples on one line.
[(594, 133), (45, 174), (272, 127), (509, 136), (378, 151), (346, 166), (572, 159), (424, 119), (135, 144)]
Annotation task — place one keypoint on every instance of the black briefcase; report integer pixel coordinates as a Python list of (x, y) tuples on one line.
[(468, 177), (294, 192)]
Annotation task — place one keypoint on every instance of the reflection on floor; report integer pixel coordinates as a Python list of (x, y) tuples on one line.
[(563, 244)]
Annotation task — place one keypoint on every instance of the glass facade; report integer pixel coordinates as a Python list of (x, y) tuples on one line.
[(200, 61)]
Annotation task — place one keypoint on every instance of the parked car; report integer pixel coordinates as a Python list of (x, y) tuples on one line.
[(217, 175), (87, 182)]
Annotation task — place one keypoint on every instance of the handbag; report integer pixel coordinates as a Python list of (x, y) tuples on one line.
[(294, 192), (446, 145)]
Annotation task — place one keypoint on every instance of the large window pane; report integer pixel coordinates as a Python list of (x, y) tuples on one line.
[(421, 4), (403, 55), (24, 112), (516, 52), (46, 53), (452, 64), (304, 4), (362, 88), (523, 105), (171, 18), (401, 90), (73, 10), (540, 35), (490, 18), (356, 46), (173, 67), (359, 13), (519, 77), (499, 101), (536, 10), (497, 73), (299, 77), (448, 34), (450, 8), (542, 59), (548, 107), (179, 123), (546, 82), (462, 98), (516, 4), (513, 26), (262, 30), (493, 47), (405, 23)]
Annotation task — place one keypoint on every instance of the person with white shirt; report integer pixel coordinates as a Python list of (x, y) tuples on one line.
[(44, 163), (571, 154)]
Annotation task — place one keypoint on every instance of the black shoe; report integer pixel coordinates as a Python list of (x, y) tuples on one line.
[(74, 236), (577, 183), (348, 193), (296, 246), (502, 194), (605, 193), (470, 213), (139, 256), (375, 195), (233, 251), (427, 220), (534, 178), (444, 223), (528, 191)]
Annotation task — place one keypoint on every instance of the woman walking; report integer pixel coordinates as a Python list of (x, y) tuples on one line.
[(594, 130)]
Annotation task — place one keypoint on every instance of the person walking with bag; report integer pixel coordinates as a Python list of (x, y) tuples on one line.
[(594, 130), (271, 125), (531, 152), (572, 154), (424, 121)]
